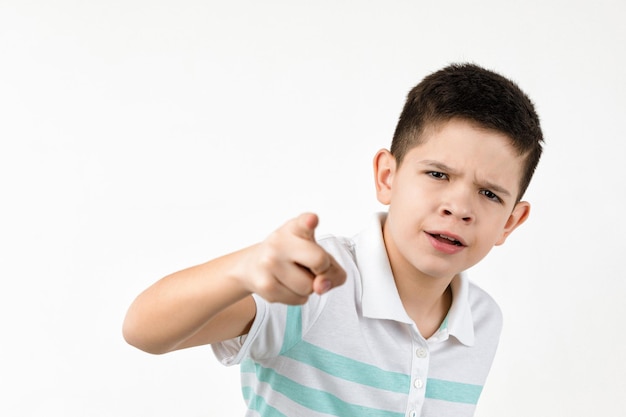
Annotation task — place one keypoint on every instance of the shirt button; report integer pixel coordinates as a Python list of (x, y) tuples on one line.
[(413, 413), (418, 383), (421, 352)]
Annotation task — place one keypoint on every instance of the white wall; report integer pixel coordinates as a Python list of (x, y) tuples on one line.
[(141, 137)]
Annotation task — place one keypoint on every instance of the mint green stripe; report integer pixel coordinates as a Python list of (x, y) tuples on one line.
[(247, 366), (314, 399), (439, 389), (444, 324), (293, 329), (334, 364), (259, 405), (349, 369)]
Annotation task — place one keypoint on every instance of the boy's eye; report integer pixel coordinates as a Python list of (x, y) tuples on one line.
[(490, 195), (438, 175)]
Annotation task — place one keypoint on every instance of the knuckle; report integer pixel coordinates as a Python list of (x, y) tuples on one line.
[(268, 259), (266, 287), (266, 262), (337, 274), (341, 275), (304, 287), (320, 261)]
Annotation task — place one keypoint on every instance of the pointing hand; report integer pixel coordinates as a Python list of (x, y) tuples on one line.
[(289, 265)]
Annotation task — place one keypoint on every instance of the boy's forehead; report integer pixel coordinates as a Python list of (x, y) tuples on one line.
[(460, 127), (433, 127)]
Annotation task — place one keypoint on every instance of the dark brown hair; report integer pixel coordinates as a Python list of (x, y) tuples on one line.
[(484, 97)]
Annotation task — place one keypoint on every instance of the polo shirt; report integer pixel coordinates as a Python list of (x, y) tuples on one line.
[(354, 351)]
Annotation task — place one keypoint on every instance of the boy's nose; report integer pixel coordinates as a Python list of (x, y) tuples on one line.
[(458, 205), (463, 215)]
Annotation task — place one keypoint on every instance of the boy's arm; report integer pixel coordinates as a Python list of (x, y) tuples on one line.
[(212, 302)]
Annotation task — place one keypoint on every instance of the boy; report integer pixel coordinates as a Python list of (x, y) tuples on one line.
[(403, 332)]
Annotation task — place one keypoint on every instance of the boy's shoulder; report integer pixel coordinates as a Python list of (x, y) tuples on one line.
[(484, 308), (479, 295)]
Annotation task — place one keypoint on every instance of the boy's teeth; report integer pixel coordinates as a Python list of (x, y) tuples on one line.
[(450, 239)]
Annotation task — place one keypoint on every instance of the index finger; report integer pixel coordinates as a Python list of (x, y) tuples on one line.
[(304, 225)]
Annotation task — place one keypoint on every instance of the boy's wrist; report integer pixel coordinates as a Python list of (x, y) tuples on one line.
[(241, 272)]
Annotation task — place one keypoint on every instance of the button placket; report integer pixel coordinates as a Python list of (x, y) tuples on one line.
[(421, 352), (418, 383), (419, 373)]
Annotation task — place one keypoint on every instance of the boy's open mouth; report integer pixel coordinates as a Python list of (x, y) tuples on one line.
[(446, 239)]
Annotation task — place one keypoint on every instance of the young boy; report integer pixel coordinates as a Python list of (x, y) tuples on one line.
[(403, 332)]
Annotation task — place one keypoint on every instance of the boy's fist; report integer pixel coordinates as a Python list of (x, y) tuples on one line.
[(289, 265)]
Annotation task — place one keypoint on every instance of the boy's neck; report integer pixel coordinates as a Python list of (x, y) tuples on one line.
[(426, 301)]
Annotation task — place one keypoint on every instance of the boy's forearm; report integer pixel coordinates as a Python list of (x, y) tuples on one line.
[(184, 308), (212, 302)]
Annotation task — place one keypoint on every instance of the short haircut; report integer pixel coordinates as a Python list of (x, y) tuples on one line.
[(467, 91)]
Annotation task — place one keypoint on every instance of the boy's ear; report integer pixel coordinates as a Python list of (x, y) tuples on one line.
[(384, 170), (518, 216)]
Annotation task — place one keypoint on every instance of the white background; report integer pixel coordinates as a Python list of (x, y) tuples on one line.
[(142, 137)]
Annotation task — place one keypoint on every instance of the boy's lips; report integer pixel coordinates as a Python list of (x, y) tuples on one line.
[(447, 238), (445, 242)]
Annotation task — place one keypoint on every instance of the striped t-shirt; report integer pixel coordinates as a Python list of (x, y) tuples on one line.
[(355, 352)]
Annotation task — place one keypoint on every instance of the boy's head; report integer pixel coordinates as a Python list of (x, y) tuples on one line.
[(469, 92)]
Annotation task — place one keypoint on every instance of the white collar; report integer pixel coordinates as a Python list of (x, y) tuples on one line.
[(378, 284)]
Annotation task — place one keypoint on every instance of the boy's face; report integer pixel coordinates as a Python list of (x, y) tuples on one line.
[(451, 200)]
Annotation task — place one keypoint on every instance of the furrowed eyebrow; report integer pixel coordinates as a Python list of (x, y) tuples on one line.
[(495, 188), (439, 166), (483, 184)]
